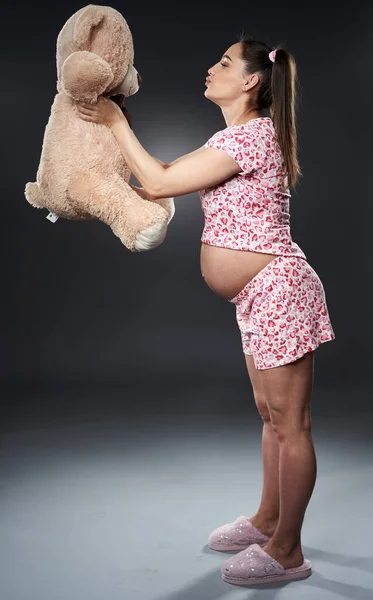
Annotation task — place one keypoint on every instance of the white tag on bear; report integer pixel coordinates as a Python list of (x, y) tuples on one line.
[(52, 217)]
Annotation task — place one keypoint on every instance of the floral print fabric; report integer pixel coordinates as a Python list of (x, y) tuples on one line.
[(249, 211), (282, 313)]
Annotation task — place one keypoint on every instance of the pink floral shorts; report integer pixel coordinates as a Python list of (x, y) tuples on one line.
[(282, 313)]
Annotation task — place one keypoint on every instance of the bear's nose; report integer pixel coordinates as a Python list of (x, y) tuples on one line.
[(139, 79)]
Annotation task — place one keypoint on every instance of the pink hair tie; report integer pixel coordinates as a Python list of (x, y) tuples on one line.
[(272, 55)]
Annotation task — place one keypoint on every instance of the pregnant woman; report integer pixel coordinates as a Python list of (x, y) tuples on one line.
[(243, 174)]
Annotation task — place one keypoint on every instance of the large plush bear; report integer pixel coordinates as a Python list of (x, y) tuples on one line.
[(82, 173)]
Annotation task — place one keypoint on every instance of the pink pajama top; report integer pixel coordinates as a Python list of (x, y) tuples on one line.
[(248, 211)]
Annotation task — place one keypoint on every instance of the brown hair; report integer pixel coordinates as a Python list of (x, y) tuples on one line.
[(277, 91)]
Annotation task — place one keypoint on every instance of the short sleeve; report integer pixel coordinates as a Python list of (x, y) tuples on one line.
[(241, 143)]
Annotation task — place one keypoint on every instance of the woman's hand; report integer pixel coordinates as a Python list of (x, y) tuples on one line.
[(104, 112)]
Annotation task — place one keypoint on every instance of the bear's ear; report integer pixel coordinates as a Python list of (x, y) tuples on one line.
[(89, 18), (85, 76)]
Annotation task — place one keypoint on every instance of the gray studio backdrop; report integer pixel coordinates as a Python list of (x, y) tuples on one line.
[(78, 307)]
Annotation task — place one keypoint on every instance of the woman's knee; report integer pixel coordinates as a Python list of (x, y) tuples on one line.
[(262, 406), (287, 424)]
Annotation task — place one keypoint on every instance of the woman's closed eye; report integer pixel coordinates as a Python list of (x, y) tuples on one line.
[(223, 65)]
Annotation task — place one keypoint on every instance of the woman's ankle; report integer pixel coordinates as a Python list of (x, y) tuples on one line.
[(267, 516), (265, 522)]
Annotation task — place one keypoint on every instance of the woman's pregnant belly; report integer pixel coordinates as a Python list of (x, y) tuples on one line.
[(227, 271)]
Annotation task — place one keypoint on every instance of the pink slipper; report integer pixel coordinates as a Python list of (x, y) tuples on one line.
[(236, 535), (254, 565)]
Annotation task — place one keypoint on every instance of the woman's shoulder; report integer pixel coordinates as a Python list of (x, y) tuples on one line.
[(257, 123), (256, 135), (262, 126)]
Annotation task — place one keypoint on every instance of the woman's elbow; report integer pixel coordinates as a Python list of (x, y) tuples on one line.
[(154, 194)]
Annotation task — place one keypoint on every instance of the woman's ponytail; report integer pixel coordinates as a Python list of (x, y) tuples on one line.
[(277, 92)]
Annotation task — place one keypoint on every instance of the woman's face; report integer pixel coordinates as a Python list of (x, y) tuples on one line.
[(226, 79)]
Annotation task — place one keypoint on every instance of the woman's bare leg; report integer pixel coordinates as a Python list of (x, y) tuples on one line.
[(288, 390), (267, 515)]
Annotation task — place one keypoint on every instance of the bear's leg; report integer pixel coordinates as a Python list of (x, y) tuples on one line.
[(139, 224), (166, 203), (34, 195)]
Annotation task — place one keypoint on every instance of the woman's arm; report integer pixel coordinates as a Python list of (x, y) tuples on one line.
[(180, 158), (142, 192), (202, 169), (185, 156)]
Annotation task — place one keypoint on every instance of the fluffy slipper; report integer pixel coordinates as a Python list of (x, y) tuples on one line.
[(236, 536), (255, 566)]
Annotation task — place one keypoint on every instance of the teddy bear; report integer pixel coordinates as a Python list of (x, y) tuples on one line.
[(82, 173)]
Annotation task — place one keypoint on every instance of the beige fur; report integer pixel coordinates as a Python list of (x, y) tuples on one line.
[(82, 173)]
